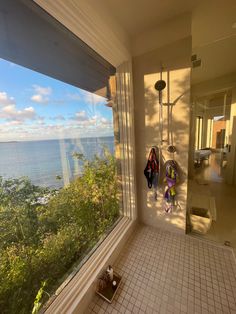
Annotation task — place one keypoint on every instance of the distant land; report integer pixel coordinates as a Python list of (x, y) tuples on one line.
[(8, 142), (58, 139)]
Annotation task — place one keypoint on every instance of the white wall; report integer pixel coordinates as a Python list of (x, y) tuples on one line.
[(170, 44), (175, 58)]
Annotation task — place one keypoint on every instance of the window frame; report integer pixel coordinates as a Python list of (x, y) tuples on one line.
[(199, 132), (87, 25), (78, 291)]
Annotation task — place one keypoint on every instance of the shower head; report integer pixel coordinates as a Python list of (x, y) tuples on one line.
[(171, 149), (160, 85)]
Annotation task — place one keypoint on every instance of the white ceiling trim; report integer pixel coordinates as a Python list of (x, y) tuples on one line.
[(83, 20)]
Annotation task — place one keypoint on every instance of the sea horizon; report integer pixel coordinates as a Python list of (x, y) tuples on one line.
[(43, 161), (55, 139)]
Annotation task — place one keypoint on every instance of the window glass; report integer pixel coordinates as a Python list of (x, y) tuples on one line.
[(198, 132), (58, 183)]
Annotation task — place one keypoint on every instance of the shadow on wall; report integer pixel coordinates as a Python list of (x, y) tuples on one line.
[(147, 131)]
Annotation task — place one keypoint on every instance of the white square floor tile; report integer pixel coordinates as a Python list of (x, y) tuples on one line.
[(164, 272)]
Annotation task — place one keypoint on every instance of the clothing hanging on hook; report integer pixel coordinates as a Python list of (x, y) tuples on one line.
[(171, 178), (151, 170)]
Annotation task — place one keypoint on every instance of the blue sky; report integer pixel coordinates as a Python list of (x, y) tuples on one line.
[(34, 106)]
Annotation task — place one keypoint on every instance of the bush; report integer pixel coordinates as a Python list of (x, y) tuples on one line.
[(40, 243)]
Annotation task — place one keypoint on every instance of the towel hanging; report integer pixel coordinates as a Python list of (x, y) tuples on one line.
[(151, 170)]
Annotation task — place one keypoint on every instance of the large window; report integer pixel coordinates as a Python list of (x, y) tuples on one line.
[(59, 177), (58, 184), (198, 132)]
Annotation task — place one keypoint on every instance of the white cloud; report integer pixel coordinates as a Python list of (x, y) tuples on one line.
[(105, 121), (36, 131), (13, 123), (40, 121), (74, 96), (59, 117), (39, 98), (5, 100), (96, 121), (83, 120), (88, 98), (81, 116), (41, 94), (93, 99), (25, 124), (11, 113), (44, 91), (29, 110)]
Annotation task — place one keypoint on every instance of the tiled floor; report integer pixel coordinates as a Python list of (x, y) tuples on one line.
[(168, 273)]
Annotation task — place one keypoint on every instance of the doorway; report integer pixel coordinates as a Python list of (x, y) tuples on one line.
[(211, 208)]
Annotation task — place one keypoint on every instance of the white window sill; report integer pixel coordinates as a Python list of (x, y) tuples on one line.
[(77, 293)]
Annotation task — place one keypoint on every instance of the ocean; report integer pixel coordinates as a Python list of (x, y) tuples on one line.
[(43, 161)]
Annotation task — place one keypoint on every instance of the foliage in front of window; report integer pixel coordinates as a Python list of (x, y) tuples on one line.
[(40, 243)]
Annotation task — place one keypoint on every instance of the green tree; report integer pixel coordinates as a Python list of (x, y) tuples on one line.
[(43, 242)]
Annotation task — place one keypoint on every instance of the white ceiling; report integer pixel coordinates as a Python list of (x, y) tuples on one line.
[(212, 28), (218, 59), (137, 16)]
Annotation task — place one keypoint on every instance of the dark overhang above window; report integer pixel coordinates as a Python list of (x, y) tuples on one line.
[(31, 37)]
